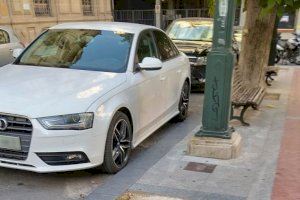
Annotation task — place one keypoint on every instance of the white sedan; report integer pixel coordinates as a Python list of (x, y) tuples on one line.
[(82, 95), (8, 42)]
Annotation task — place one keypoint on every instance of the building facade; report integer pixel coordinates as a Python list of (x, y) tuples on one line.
[(145, 11), (28, 18), (166, 4)]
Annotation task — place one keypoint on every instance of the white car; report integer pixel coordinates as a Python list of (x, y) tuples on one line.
[(8, 42), (82, 95)]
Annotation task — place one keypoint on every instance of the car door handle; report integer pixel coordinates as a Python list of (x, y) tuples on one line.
[(179, 71), (162, 78), (11, 50)]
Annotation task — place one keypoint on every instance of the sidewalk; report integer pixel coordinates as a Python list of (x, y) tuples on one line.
[(287, 181), (251, 176)]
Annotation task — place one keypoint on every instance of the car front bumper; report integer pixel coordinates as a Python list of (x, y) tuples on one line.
[(91, 142), (198, 74)]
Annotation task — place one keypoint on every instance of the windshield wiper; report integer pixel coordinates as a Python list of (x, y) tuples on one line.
[(61, 66), (187, 40)]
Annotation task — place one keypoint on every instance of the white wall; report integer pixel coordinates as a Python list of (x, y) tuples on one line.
[(297, 24)]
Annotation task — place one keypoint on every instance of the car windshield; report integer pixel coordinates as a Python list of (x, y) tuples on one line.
[(95, 50), (191, 30)]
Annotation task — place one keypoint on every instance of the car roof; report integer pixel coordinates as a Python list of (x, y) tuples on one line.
[(110, 26), (7, 29)]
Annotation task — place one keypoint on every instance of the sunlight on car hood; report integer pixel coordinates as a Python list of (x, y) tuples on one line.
[(41, 91)]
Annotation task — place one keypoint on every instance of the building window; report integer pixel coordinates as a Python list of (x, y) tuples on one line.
[(87, 7), (42, 8)]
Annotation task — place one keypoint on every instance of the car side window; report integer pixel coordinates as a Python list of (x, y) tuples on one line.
[(174, 48), (146, 47), (165, 47), (4, 38)]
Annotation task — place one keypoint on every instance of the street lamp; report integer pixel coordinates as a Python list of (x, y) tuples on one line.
[(158, 13), (217, 100)]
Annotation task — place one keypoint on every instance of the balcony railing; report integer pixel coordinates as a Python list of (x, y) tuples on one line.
[(87, 7), (42, 8)]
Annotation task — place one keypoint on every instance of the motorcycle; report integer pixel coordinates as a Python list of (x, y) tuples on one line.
[(288, 50)]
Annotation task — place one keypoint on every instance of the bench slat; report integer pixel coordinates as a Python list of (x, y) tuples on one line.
[(243, 94)]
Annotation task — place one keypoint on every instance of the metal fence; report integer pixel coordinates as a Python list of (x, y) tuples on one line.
[(168, 15), (135, 16)]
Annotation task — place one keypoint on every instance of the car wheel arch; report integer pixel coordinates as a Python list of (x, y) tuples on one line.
[(127, 112), (187, 80)]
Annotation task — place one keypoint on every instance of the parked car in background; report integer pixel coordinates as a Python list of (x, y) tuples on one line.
[(8, 42), (84, 94), (193, 36)]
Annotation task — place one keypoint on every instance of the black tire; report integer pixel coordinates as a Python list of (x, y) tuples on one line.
[(118, 146), (183, 106)]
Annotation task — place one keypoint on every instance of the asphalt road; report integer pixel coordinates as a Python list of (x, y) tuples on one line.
[(16, 184)]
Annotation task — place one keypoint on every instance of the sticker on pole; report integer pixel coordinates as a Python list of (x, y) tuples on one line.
[(223, 8), (157, 8)]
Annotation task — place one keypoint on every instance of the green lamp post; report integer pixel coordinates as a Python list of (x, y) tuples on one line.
[(217, 100)]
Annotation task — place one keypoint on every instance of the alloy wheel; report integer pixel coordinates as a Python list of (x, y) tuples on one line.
[(121, 143), (184, 100)]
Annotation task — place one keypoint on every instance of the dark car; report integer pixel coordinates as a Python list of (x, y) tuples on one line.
[(193, 36)]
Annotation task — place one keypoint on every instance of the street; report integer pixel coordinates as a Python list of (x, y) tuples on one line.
[(100, 100), (16, 184)]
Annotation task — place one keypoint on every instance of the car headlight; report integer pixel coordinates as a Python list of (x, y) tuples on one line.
[(78, 121), (201, 61)]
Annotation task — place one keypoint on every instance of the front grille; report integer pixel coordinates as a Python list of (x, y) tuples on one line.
[(198, 72), (17, 127)]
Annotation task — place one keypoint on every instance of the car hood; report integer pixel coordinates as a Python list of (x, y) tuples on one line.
[(192, 47), (42, 91)]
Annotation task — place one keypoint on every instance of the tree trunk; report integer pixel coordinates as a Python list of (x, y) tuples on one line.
[(256, 42)]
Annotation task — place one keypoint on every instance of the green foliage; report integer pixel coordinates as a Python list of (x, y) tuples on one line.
[(267, 5), (211, 7), (281, 5)]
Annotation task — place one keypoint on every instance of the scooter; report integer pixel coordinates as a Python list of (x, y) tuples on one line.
[(288, 51)]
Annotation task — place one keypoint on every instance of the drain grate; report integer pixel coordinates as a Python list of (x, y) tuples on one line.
[(200, 167), (272, 96)]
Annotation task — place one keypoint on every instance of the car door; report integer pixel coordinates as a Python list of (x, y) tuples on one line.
[(171, 71), (148, 86), (5, 50)]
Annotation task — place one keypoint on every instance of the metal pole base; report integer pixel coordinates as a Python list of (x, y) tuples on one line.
[(218, 148), (217, 134)]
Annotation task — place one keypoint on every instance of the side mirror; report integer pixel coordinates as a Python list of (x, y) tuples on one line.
[(17, 52), (150, 64)]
